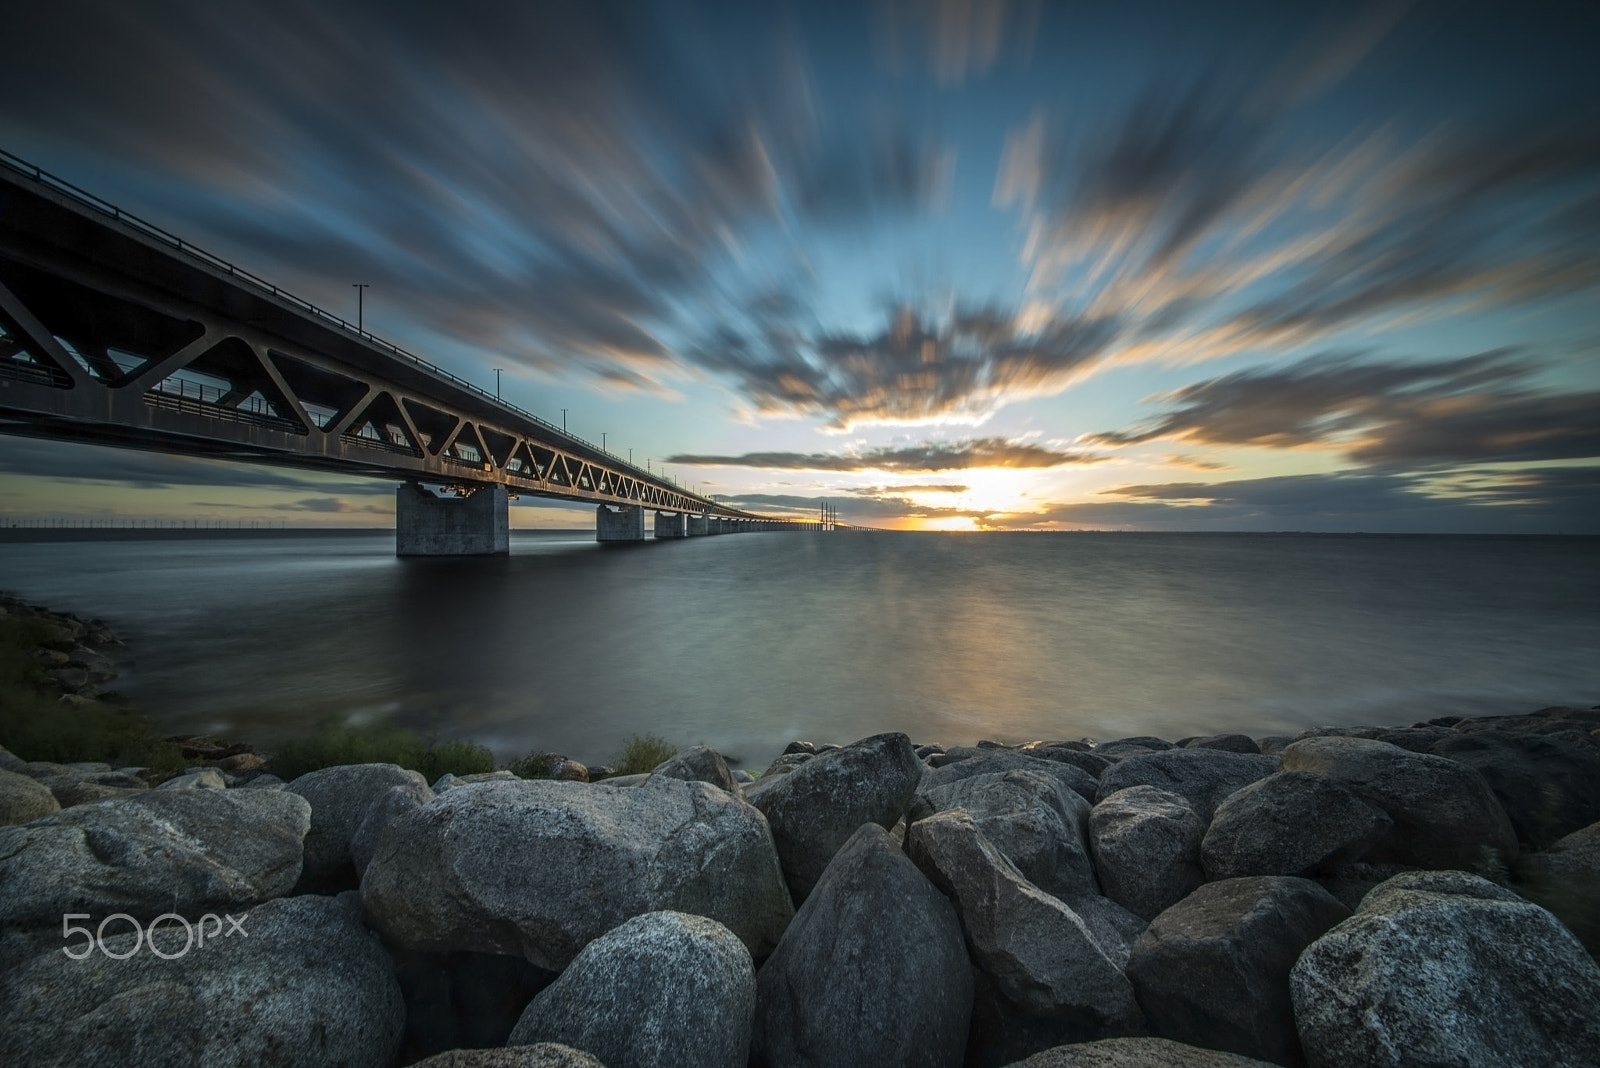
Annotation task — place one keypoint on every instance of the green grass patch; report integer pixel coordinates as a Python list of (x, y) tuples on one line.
[(36, 725), (341, 743), (643, 753)]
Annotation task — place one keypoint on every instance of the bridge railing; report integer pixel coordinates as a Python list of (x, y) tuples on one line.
[(105, 207)]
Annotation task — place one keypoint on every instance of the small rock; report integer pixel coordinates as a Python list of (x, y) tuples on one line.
[(873, 971), (233, 765), (1291, 823), (1213, 970), (195, 779), (1146, 845), (1447, 968), (1203, 777), (1229, 743), (450, 780), (814, 809), (538, 1055), (699, 764), (9, 761), (992, 761), (1035, 822), (69, 678), (663, 989), (264, 782), (1137, 1053), (567, 770), (798, 746), (24, 799)]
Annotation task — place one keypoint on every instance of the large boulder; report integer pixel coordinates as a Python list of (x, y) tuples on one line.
[(540, 869), (872, 972), (1566, 880), (814, 809), (1213, 970), (1444, 813), (24, 799), (305, 983), (992, 761), (1548, 789), (1417, 739), (538, 1055), (1447, 968), (84, 784), (700, 763), (1146, 845), (183, 851), (1232, 743), (1037, 952), (1036, 822), (1291, 823), (664, 990), (340, 797), (1137, 1053), (1203, 777)]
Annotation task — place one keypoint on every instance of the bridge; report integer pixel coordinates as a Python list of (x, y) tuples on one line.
[(115, 332)]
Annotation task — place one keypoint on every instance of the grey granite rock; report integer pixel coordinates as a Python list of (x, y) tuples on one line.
[(1291, 823), (663, 990), (1039, 953), (872, 973), (1146, 845), (699, 764), (1441, 968), (24, 798), (1203, 777), (993, 761), (1566, 880), (305, 984), (1137, 1053), (340, 797), (184, 851), (1213, 970), (539, 868), (1548, 789), (398, 799), (814, 809), (196, 779), (538, 1055), (1444, 814), (1232, 743)]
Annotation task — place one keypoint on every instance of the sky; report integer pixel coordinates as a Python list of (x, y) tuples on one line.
[(948, 264)]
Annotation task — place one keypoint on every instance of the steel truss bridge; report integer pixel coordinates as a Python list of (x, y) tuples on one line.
[(115, 332)]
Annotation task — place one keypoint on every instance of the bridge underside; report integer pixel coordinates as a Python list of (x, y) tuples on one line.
[(117, 334)]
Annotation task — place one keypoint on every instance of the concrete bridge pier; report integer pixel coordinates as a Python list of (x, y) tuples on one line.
[(619, 524), (478, 524), (671, 525), (697, 526)]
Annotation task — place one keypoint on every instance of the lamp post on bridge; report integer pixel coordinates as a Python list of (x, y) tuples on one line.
[(497, 371), (563, 420), (361, 300)]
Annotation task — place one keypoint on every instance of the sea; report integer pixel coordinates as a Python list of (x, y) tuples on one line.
[(747, 642)]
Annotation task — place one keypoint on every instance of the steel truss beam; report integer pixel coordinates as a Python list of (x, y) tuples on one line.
[(112, 332)]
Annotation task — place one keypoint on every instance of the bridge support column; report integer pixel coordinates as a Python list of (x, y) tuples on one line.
[(697, 526), (425, 525), (671, 525), (622, 525)]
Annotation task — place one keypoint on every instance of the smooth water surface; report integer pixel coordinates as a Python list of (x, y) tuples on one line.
[(745, 642)]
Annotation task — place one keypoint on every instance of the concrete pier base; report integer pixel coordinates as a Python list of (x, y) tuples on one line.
[(622, 525), (671, 525), (697, 526), (425, 525)]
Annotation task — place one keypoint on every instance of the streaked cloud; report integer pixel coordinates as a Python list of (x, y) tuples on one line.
[(929, 456), (1472, 409)]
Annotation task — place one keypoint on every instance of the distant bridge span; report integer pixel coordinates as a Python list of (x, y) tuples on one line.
[(115, 332)]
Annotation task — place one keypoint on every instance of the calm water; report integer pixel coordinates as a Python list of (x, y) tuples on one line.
[(745, 642)]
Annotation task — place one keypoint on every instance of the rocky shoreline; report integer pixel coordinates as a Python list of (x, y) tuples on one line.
[(1418, 895)]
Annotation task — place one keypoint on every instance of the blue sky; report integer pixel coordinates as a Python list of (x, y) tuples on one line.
[(968, 264)]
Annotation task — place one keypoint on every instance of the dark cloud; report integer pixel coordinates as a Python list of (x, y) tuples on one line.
[(929, 456), (1472, 409), (917, 369), (857, 510), (548, 181), (1539, 500)]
